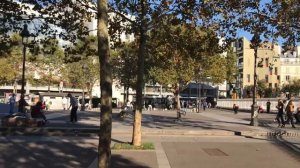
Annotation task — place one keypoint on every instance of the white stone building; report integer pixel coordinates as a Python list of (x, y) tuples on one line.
[(290, 66)]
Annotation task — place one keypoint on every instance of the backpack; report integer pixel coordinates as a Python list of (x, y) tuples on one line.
[(290, 108)]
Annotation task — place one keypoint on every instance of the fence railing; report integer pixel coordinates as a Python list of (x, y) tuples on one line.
[(245, 104)]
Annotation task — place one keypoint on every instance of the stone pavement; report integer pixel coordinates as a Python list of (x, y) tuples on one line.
[(214, 138), (170, 151), (211, 122)]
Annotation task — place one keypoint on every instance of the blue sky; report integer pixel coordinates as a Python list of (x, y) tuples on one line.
[(249, 36)]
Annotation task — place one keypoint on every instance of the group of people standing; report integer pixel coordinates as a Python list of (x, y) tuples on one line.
[(285, 113), (37, 110), (193, 104)]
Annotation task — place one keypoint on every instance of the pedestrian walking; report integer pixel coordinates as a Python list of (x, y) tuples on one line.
[(208, 105), (235, 108), (296, 115), (279, 117), (268, 106), (74, 105), (12, 103), (204, 105), (150, 108), (289, 111), (37, 111)]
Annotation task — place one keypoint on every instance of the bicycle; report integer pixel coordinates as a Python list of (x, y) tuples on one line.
[(179, 113), (125, 112)]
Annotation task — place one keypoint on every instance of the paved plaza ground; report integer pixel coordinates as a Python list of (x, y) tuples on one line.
[(211, 139)]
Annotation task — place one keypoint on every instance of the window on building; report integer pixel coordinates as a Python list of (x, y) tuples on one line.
[(241, 60), (270, 71), (278, 77), (239, 44), (267, 62), (260, 63), (276, 85), (287, 77), (248, 78), (270, 85), (267, 78), (276, 71), (287, 70)]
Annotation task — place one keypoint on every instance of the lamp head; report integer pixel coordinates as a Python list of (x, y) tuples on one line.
[(26, 36), (25, 33)]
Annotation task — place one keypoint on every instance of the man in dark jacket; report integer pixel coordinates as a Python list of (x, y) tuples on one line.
[(268, 106), (74, 104)]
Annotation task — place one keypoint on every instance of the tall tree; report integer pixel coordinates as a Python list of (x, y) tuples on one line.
[(143, 16), (178, 52), (49, 61), (249, 16), (231, 66), (285, 18), (11, 15), (85, 51), (83, 74), (11, 60), (106, 86), (7, 71), (71, 18), (125, 66), (136, 14)]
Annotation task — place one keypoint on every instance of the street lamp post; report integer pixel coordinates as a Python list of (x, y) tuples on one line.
[(25, 41), (255, 42), (15, 87)]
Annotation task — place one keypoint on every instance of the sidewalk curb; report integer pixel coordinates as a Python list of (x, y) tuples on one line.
[(288, 144), (62, 131), (283, 133)]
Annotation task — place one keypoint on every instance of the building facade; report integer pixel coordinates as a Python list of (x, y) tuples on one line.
[(268, 64), (289, 66)]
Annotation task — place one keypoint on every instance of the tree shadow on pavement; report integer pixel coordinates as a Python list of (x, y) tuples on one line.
[(169, 122), (40, 152), (43, 154), (118, 161)]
